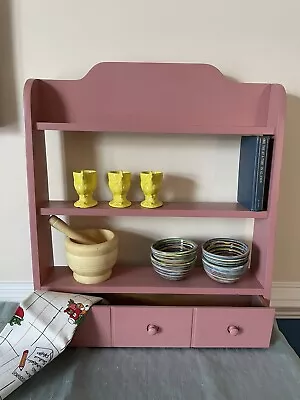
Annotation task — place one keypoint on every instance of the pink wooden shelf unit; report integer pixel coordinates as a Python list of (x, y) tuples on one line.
[(161, 99)]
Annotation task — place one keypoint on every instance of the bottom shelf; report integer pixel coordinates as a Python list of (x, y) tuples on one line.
[(145, 280)]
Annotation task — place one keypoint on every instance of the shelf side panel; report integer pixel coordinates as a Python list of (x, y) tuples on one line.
[(37, 182), (264, 235), (152, 97)]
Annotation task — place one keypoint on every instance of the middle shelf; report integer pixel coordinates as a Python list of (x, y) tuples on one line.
[(175, 209), (144, 280)]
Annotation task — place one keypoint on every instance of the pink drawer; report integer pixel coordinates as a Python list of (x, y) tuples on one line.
[(151, 326), (232, 327), (95, 330)]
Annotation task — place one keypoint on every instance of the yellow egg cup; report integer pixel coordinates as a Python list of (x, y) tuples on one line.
[(85, 183), (151, 182), (119, 183)]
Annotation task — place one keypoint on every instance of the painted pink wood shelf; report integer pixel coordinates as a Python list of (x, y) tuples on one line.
[(135, 126), (186, 209), (145, 280), (157, 98)]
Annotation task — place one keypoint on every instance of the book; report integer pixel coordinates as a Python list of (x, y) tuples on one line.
[(268, 173), (252, 178)]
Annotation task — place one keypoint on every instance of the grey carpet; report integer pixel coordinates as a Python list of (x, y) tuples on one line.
[(166, 374)]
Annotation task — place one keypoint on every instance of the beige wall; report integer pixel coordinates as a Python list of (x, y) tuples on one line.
[(257, 41)]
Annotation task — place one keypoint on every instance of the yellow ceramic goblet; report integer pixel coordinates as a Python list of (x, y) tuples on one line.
[(85, 183), (119, 185), (150, 183)]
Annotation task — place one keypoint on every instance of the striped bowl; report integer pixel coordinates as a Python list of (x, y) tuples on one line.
[(173, 248), (224, 274), (225, 260), (223, 251), (173, 258)]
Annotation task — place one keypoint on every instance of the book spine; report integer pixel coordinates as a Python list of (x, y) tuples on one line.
[(261, 174), (255, 172), (268, 173)]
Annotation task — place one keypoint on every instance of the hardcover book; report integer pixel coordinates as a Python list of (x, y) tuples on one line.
[(253, 179)]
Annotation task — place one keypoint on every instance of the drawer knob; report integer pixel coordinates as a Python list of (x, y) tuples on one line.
[(233, 330), (152, 329)]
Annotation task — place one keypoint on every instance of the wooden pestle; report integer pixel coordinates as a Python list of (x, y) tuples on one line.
[(61, 226)]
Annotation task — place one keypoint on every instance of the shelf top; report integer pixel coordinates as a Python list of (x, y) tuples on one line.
[(153, 128), (154, 98), (145, 280), (176, 209)]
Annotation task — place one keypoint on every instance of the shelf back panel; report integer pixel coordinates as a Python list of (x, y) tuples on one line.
[(151, 97)]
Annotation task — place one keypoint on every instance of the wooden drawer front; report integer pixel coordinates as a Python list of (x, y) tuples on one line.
[(151, 326), (95, 330), (232, 327)]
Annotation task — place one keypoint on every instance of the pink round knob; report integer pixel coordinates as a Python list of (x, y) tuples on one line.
[(233, 330), (152, 329)]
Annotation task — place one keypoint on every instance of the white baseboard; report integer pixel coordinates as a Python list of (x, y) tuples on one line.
[(286, 299), (285, 296), (15, 291)]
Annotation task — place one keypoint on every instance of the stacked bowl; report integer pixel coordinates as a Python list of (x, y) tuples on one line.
[(225, 260), (173, 258)]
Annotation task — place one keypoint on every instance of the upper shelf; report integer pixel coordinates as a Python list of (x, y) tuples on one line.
[(178, 209), (141, 127)]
